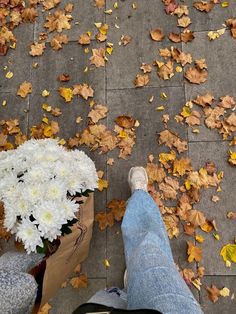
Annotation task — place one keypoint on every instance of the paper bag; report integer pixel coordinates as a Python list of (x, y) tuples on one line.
[(73, 250)]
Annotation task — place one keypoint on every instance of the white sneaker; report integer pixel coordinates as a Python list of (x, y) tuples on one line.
[(138, 179)]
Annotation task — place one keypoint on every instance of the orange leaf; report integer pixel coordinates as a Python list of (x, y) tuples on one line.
[(79, 282), (194, 252)]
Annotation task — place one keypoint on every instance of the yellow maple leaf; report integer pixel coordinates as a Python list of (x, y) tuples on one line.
[(79, 282), (66, 93), (228, 252), (166, 157), (102, 184), (45, 309), (47, 131), (24, 89), (194, 252), (199, 238)]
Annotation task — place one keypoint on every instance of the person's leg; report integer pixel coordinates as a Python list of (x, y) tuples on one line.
[(153, 279)]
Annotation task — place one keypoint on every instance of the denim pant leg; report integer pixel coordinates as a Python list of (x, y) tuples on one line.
[(153, 279)]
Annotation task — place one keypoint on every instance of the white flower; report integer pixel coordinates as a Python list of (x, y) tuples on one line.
[(49, 218), (10, 218), (70, 207), (56, 190), (28, 233), (34, 193)]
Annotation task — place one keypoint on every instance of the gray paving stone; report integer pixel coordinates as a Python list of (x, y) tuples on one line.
[(70, 59), (68, 299), (202, 21), (124, 63), (216, 152), (84, 14), (224, 304), (17, 60)]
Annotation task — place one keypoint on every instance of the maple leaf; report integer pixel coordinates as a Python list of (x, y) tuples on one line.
[(63, 77), (176, 38), (37, 49), (181, 10), (125, 40), (187, 36), (169, 188), (172, 140), (232, 158), (155, 173), (184, 21), (117, 208), (166, 70), (69, 7), (194, 252), (203, 6), (213, 293), (141, 80), (189, 229), (212, 119), (204, 100), (171, 225), (147, 68), (66, 93), (24, 89), (188, 274), (196, 218), (84, 90), (157, 34), (201, 64), (58, 21), (231, 23), (196, 76), (29, 14), (98, 57), (170, 6), (104, 220), (50, 4), (84, 39), (227, 102), (181, 166), (58, 40), (125, 121), (110, 161), (98, 112), (102, 184), (80, 281)]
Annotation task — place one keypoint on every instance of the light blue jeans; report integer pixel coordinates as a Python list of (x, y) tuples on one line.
[(153, 279)]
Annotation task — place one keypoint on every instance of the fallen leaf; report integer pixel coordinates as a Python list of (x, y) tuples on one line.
[(79, 282), (176, 38), (45, 309), (213, 293), (203, 6), (196, 218), (166, 71), (97, 113), (29, 15), (24, 89), (102, 184), (84, 90), (125, 122), (215, 198), (204, 100), (157, 34), (196, 76), (184, 21), (187, 36), (141, 80), (110, 161), (104, 220), (228, 252), (117, 208), (172, 140), (37, 49), (98, 57), (227, 102), (58, 40), (63, 77), (194, 252), (84, 39), (100, 3), (125, 40), (231, 215), (225, 292), (147, 68), (66, 93), (181, 166), (199, 238), (155, 173), (58, 21)]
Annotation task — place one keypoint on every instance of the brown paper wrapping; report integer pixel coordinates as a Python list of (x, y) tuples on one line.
[(71, 252)]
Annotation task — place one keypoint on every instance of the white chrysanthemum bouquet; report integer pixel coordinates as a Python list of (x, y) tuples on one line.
[(39, 182)]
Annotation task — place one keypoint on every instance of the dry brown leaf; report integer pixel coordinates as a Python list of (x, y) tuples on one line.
[(204, 100), (104, 220), (141, 80), (231, 23), (196, 76), (187, 36), (125, 122), (212, 120), (50, 4), (193, 119), (188, 274), (37, 49), (194, 252), (79, 282), (24, 89), (157, 34), (58, 21), (84, 39), (98, 57), (213, 293), (117, 208), (63, 77), (58, 40), (56, 112), (201, 271), (171, 224), (201, 64), (231, 215), (227, 102), (181, 166), (97, 113), (99, 3), (45, 309), (184, 21), (189, 229), (171, 140), (155, 173), (125, 40), (181, 10), (147, 68), (203, 6), (215, 198), (176, 38), (165, 53), (110, 161), (84, 90), (196, 218), (166, 71), (69, 7), (29, 15)]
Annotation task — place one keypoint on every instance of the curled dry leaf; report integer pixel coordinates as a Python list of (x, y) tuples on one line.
[(204, 100), (58, 40), (194, 252), (196, 76), (37, 49), (104, 220), (187, 36), (213, 293), (141, 80), (172, 140), (125, 40), (50, 4), (125, 122), (201, 64), (147, 68), (117, 208), (84, 39), (170, 6), (66, 93), (45, 309), (155, 173), (231, 23), (29, 15), (80, 281), (181, 166), (24, 89), (176, 38), (166, 71), (171, 225), (196, 218), (63, 77), (157, 34), (58, 21), (84, 90), (227, 102), (212, 119), (184, 21)]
